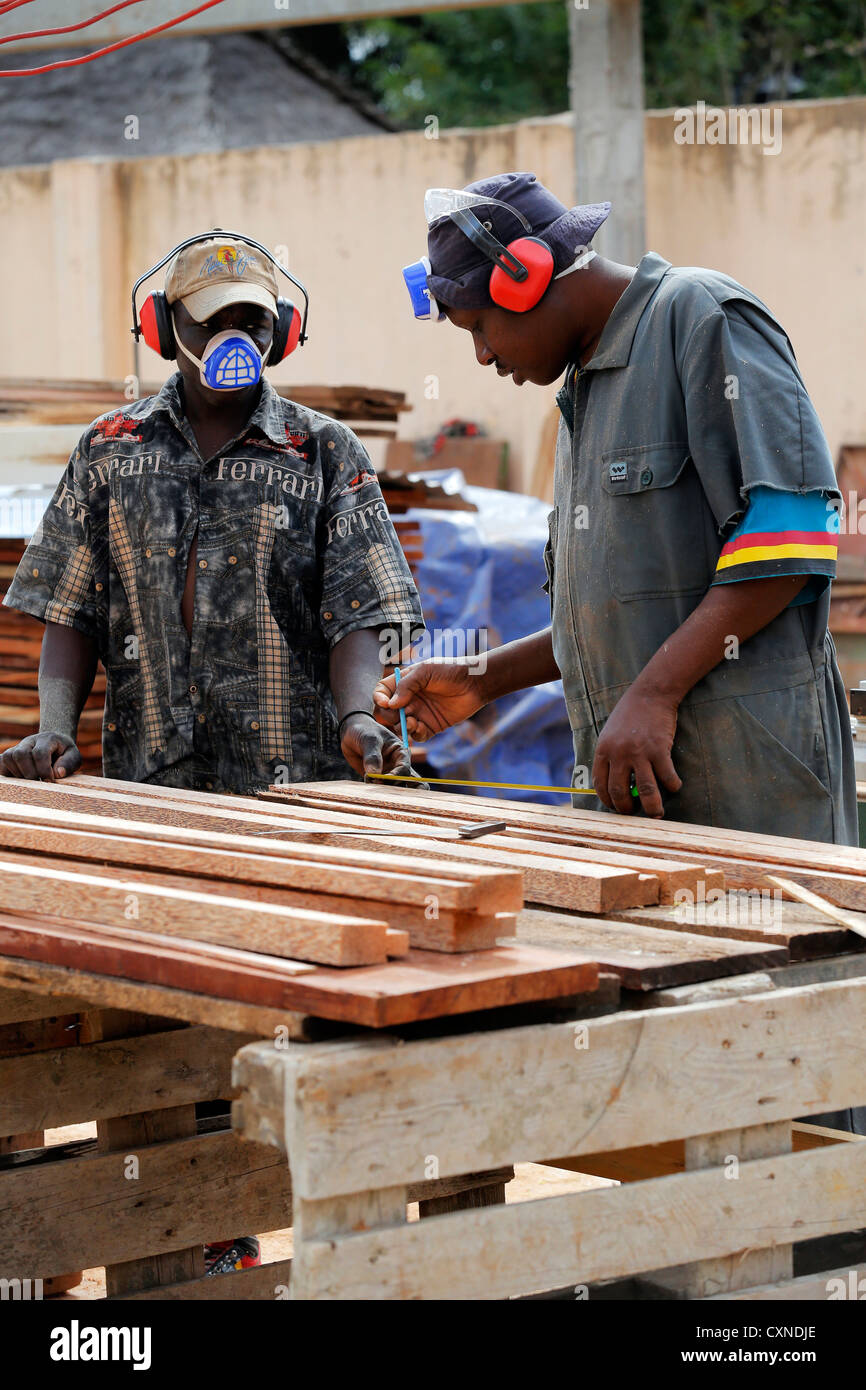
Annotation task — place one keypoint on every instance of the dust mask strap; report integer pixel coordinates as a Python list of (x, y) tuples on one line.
[(231, 362)]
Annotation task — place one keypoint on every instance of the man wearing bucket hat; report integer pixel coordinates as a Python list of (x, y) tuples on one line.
[(225, 552), (691, 543), (692, 536)]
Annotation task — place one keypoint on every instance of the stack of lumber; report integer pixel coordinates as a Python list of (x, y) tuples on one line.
[(196, 892), (411, 538), (20, 647), (32, 401), (402, 493), (702, 877), (362, 901)]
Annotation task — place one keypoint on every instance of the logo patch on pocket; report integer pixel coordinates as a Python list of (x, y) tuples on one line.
[(618, 472)]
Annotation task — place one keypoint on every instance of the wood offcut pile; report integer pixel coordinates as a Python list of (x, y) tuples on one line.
[(362, 902), (20, 647), (370, 410)]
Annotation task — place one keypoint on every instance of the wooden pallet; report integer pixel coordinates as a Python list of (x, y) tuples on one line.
[(647, 1050), (666, 1100)]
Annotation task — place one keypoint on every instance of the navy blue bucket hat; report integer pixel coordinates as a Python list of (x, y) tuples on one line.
[(460, 274)]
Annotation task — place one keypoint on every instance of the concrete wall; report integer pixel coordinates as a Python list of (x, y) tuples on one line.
[(791, 226)]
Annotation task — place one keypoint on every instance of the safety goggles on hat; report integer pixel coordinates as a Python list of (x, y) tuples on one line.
[(522, 270)]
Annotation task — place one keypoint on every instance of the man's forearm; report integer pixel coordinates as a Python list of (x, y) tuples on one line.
[(518, 665), (355, 667), (704, 640), (66, 670)]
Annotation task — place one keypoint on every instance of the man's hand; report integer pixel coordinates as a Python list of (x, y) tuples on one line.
[(367, 747), (637, 738), (435, 695), (44, 757)]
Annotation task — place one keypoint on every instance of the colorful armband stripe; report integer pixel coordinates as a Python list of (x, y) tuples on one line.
[(781, 533), (777, 545)]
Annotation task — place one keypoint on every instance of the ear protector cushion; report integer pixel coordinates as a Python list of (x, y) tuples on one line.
[(287, 331), (521, 296), (157, 328)]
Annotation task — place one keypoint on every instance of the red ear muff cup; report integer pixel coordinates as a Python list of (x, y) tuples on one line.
[(156, 326), (149, 329), (294, 332), (521, 296), (287, 331)]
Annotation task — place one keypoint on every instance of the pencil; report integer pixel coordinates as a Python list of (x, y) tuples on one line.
[(404, 731)]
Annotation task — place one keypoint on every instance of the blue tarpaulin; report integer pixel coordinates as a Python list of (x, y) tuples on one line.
[(482, 573)]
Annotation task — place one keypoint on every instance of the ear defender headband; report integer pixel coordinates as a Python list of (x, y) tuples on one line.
[(156, 326), (522, 270)]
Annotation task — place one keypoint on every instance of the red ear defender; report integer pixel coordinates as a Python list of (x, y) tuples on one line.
[(287, 331), (149, 326), (294, 332), (521, 296)]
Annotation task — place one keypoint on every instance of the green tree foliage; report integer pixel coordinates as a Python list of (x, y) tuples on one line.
[(483, 66), (745, 51), (468, 67)]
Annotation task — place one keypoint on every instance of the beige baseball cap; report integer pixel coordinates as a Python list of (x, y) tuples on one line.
[(222, 270)]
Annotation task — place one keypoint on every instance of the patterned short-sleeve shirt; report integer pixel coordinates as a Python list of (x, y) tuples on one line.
[(295, 549)]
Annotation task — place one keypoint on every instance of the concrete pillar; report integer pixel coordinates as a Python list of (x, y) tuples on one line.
[(607, 100)]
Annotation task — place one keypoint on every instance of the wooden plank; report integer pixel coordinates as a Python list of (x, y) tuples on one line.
[(489, 1195), (316, 1220), (229, 921), (581, 1087), (268, 1281), (24, 1039), (647, 957), (132, 1136), (717, 846), (20, 1006), (425, 927), (773, 1260), (232, 830), (801, 932), (804, 895), (40, 1035), (579, 885), (84, 1212), (655, 1160), (673, 875), (418, 985), (230, 1015), (104, 1079), (831, 1285), (583, 886), (589, 1236)]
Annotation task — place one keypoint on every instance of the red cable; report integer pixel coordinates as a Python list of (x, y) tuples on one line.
[(99, 52), (70, 28)]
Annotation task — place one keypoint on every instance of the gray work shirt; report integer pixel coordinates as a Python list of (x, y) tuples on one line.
[(692, 398)]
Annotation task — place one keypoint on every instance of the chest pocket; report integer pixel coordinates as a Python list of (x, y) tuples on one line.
[(657, 523)]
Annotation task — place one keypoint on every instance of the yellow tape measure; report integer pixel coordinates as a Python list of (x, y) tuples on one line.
[(506, 786)]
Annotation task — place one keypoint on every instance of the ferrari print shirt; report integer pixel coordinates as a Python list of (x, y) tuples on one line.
[(295, 549)]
